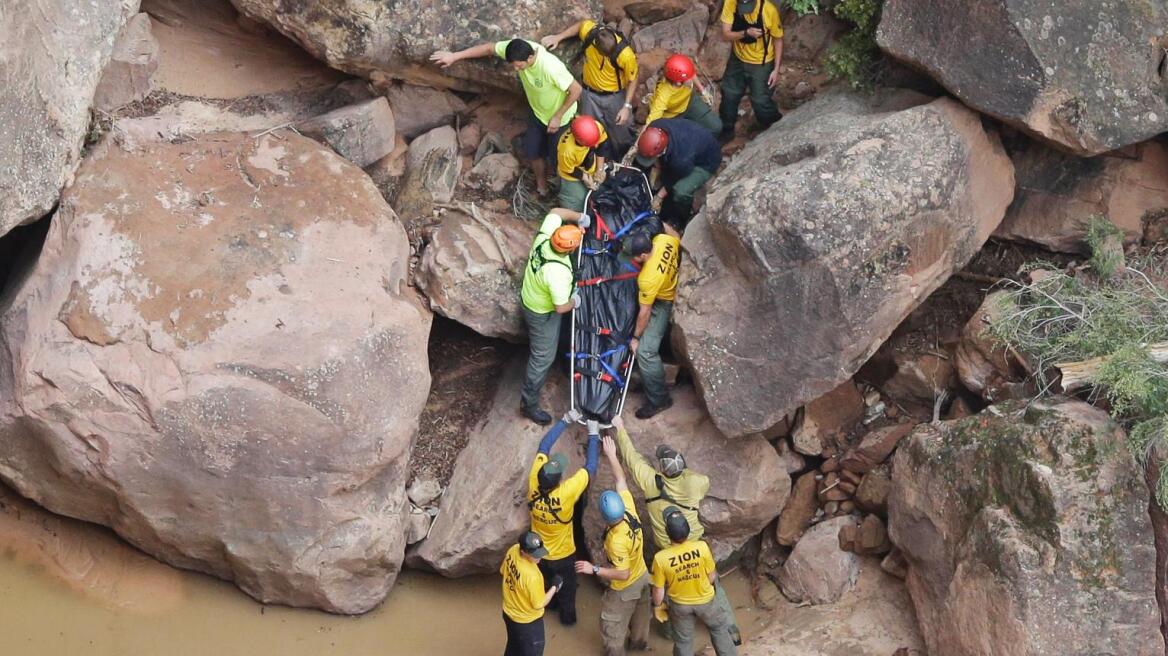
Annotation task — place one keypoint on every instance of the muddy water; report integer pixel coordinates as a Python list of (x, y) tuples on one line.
[(70, 588)]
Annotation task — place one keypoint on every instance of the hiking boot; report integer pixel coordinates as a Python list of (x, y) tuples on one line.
[(536, 414), (649, 410)]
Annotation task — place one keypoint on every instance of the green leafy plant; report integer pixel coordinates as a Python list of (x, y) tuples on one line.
[(803, 7), (1106, 243), (855, 57)]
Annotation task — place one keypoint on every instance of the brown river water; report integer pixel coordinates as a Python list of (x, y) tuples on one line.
[(67, 587)]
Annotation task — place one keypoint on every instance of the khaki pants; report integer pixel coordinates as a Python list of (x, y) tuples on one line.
[(624, 615), (717, 621)]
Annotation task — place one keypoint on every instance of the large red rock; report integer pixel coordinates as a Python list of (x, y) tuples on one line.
[(223, 364), (54, 52), (1026, 533), (820, 237), (1058, 193), (1086, 76)]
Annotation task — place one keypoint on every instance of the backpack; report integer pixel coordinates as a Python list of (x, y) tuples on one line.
[(622, 42), (663, 495), (741, 23)]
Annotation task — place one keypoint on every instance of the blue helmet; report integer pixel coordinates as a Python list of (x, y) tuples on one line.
[(612, 507)]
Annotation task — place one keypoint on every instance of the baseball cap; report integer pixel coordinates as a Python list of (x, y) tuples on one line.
[(532, 545)]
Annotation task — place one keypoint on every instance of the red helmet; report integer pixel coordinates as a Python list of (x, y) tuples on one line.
[(652, 142), (586, 131), (679, 68)]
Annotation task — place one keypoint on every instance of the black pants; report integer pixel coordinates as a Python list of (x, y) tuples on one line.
[(565, 599), (524, 639)]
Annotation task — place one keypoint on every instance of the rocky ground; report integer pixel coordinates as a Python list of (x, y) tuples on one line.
[(243, 218)]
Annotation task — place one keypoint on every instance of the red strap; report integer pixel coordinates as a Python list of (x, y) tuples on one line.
[(602, 225), (598, 280)]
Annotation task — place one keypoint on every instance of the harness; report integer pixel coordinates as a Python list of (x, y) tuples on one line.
[(741, 23), (538, 260), (662, 495), (634, 524), (542, 495), (621, 43)]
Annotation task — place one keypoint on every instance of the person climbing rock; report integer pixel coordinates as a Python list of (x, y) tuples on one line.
[(610, 77), (580, 160), (686, 155), (756, 31), (546, 293), (624, 609), (551, 95), (686, 571), (659, 259), (524, 596), (551, 498), (671, 484), (674, 96)]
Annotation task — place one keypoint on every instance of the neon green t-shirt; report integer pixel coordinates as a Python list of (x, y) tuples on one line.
[(545, 83), (550, 285)]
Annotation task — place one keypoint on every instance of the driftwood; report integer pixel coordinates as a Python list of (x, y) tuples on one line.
[(1081, 374)]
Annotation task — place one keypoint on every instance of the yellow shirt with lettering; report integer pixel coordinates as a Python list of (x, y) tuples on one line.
[(658, 277), (571, 157), (523, 591), (625, 546), (599, 73), (669, 100), (752, 53), (557, 535), (684, 571)]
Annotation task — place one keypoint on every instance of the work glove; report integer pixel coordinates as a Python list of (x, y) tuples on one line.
[(708, 96), (589, 181), (656, 204), (585, 221), (593, 427), (599, 176), (557, 582), (661, 613), (576, 300), (572, 416)]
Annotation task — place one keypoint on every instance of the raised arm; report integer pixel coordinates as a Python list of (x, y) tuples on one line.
[(618, 472), (592, 458), (574, 91), (445, 58), (642, 472), (551, 41), (553, 434)]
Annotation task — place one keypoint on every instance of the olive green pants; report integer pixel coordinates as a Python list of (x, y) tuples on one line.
[(624, 617), (572, 194), (699, 112), (649, 354), (741, 78), (717, 621), (543, 337)]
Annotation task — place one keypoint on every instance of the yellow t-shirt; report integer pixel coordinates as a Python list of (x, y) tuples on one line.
[(626, 547), (684, 571), (570, 155), (669, 100), (522, 587), (556, 534), (658, 277), (599, 72), (752, 53)]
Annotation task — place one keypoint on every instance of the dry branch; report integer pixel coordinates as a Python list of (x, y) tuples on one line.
[(1080, 374)]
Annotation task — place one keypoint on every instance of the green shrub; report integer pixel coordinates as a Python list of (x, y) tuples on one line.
[(1106, 243), (803, 7), (855, 57)]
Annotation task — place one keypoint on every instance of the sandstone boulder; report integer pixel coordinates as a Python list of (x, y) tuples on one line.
[(873, 490), (799, 510), (820, 237), (471, 271), (919, 377), (433, 166), (874, 448), (818, 571), (825, 422), (419, 109), (362, 133), (128, 76), (494, 173), (1058, 193), (54, 54), (398, 37), (715, 52), (1086, 77), (224, 365), (682, 34), (1027, 533), (984, 365)]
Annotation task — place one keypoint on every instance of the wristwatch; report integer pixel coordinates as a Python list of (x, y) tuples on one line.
[(628, 106), (595, 570)]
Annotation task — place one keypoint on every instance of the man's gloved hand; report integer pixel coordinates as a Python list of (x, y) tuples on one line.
[(656, 204), (593, 427), (599, 176), (576, 300), (572, 416), (661, 613), (585, 221), (557, 582), (589, 181), (708, 96)]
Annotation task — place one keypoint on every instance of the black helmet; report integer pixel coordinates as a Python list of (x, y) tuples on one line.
[(552, 472), (676, 525)]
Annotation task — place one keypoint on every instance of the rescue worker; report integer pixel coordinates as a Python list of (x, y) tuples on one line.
[(524, 596), (658, 259), (685, 569), (624, 609), (551, 498), (609, 77), (551, 95), (687, 157), (580, 160), (546, 294), (674, 96), (756, 31), (674, 485)]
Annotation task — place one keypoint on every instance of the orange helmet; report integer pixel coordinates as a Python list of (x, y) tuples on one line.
[(679, 68), (652, 142), (567, 238), (586, 131)]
